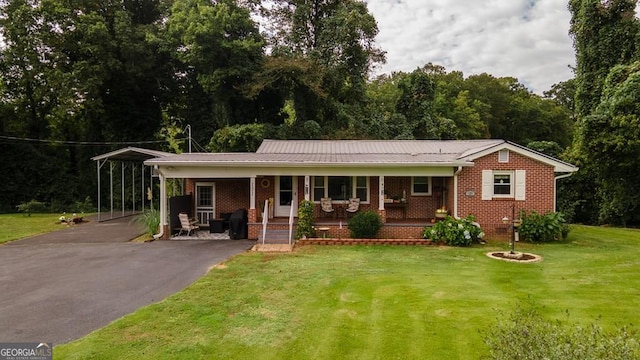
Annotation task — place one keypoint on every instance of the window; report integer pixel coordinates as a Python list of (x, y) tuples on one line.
[(503, 184), (341, 187), (420, 185), (318, 188)]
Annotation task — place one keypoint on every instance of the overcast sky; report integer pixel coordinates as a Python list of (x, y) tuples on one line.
[(525, 39)]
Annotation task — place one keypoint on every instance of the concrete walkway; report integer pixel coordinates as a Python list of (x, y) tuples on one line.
[(60, 286)]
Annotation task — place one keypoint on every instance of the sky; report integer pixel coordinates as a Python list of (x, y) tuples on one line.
[(525, 39)]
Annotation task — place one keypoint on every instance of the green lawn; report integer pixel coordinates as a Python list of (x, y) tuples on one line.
[(375, 302), (18, 226)]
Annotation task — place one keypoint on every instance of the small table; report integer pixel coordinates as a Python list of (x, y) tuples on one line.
[(216, 226), (399, 205), (324, 231)]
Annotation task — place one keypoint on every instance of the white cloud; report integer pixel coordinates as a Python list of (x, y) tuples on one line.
[(526, 39)]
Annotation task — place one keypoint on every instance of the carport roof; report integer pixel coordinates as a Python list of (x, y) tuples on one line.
[(132, 154)]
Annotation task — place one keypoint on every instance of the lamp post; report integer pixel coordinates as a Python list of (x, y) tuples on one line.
[(515, 223)]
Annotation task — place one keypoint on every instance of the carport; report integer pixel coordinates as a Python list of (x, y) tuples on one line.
[(130, 163)]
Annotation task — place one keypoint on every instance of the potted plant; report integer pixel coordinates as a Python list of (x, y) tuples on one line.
[(442, 212)]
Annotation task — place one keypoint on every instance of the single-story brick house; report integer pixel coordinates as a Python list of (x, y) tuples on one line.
[(405, 181)]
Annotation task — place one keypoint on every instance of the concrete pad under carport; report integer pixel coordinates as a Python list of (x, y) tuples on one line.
[(57, 290)]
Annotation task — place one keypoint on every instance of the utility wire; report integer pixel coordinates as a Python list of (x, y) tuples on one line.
[(83, 143)]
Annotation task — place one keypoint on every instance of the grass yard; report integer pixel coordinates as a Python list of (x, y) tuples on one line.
[(18, 226), (376, 302)]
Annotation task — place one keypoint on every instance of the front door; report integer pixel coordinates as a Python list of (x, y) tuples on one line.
[(286, 195), (205, 202)]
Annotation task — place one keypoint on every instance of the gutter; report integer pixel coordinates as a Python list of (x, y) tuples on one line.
[(555, 189), (455, 191)]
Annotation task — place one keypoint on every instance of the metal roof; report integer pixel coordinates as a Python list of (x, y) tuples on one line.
[(374, 147), (345, 153), (133, 154)]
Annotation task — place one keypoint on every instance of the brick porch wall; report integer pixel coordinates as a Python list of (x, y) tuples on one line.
[(539, 194)]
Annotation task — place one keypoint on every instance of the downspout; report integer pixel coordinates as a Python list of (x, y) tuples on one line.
[(162, 205), (555, 186), (455, 192)]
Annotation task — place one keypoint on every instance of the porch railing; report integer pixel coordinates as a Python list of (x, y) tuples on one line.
[(265, 219)]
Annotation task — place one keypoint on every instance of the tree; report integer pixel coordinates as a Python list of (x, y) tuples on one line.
[(613, 134), (220, 47), (604, 34), (338, 39)]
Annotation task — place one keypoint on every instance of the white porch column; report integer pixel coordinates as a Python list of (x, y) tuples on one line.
[(252, 192), (307, 188), (381, 195), (163, 202)]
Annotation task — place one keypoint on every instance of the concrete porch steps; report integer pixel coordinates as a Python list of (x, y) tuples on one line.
[(275, 236)]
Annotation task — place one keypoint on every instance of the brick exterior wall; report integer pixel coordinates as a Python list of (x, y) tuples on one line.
[(539, 193), (231, 194)]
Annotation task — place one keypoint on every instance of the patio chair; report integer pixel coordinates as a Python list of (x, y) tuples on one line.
[(186, 224), (327, 207), (353, 207)]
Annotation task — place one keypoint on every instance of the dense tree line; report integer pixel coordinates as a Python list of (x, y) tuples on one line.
[(80, 78), (605, 92)]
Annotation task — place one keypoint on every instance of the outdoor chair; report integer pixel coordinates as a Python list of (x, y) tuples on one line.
[(327, 207), (353, 207), (186, 224)]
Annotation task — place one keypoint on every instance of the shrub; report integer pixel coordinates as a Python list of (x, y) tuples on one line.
[(455, 232), (84, 206), (543, 228), (526, 335), (305, 220), (32, 206), (150, 218), (365, 225)]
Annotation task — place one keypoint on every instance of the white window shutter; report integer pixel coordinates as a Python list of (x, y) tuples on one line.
[(487, 184), (521, 184)]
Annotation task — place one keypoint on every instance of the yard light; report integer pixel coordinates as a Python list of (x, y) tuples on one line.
[(515, 224)]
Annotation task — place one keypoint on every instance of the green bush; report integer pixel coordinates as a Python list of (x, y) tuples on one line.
[(150, 218), (84, 206), (31, 207), (305, 220), (365, 225), (543, 228), (526, 335), (455, 232)]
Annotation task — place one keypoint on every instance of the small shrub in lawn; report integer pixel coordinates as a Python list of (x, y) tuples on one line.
[(31, 207), (543, 228), (305, 220), (455, 232), (526, 335), (365, 225)]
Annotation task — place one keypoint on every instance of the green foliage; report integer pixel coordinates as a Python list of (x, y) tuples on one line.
[(85, 206), (454, 232), (526, 335), (32, 206), (540, 228), (240, 137), (365, 225), (550, 148), (305, 219), (150, 219)]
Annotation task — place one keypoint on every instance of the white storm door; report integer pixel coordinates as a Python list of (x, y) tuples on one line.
[(286, 195), (205, 202)]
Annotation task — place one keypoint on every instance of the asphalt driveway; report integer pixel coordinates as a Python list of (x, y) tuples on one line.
[(61, 286)]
